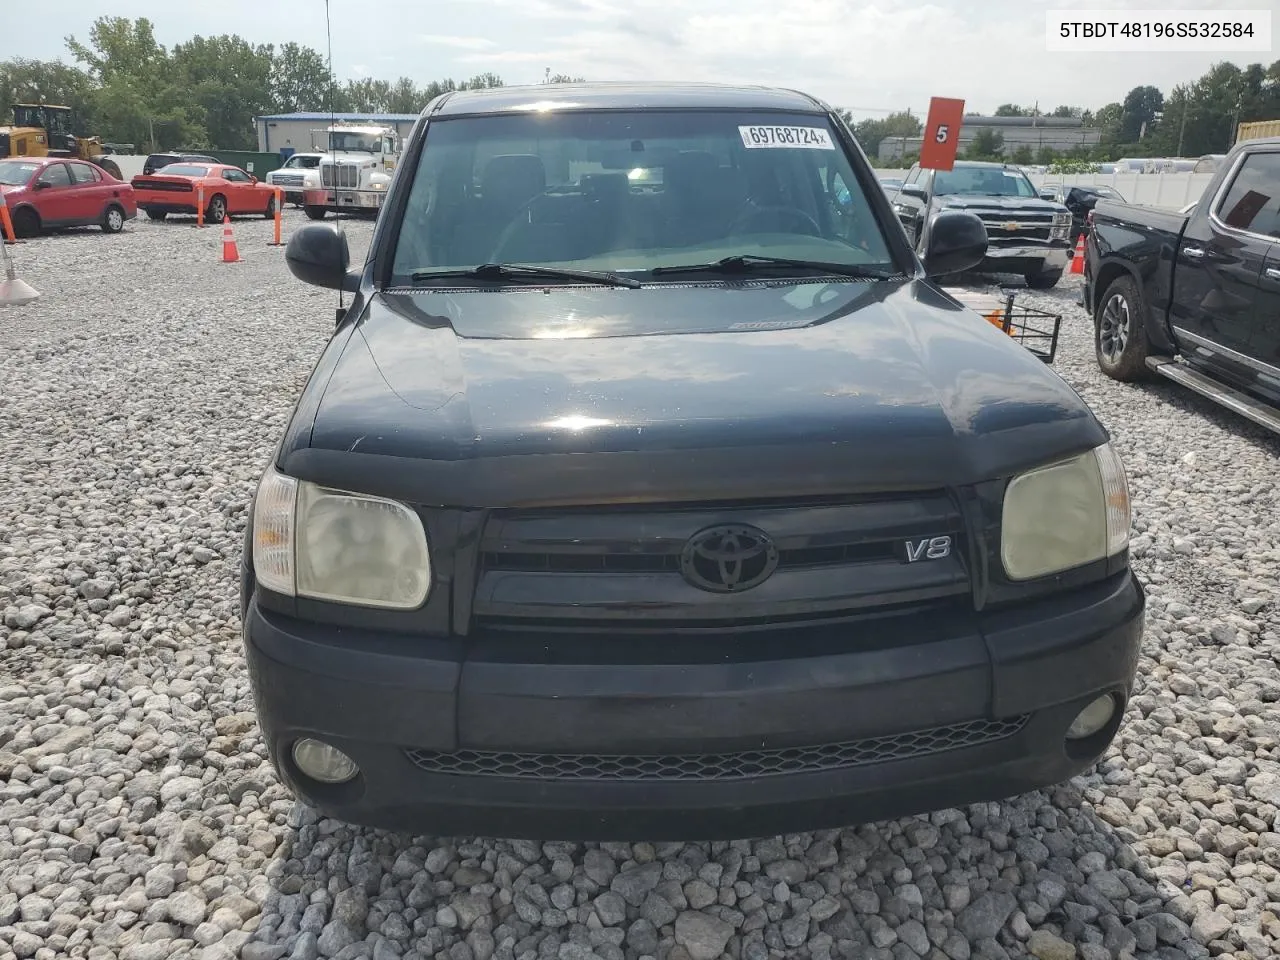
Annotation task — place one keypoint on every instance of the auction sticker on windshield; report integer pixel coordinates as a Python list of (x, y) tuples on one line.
[(785, 138)]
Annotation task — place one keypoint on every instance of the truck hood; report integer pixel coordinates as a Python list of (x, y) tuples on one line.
[(531, 396)]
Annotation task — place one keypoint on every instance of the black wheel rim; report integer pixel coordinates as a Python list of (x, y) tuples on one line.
[(1113, 328)]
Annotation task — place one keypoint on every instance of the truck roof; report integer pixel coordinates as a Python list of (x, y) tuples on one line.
[(357, 128), (625, 95)]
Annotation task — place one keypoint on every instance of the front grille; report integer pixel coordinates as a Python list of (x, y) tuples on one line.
[(287, 179), (339, 175), (1030, 227), (717, 766), (639, 563), (165, 186), (670, 562)]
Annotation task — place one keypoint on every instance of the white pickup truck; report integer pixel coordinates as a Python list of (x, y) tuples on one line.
[(354, 171), (301, 172)]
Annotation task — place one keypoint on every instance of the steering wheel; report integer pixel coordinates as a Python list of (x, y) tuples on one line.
[(751, 213)]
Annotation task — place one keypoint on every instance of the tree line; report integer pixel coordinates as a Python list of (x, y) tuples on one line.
[(127, 88)]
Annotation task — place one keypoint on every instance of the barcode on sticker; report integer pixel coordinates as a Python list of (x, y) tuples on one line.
[(786, 138)]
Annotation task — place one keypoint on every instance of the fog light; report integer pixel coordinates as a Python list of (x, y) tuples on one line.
[(324, 763), (1092, 718)]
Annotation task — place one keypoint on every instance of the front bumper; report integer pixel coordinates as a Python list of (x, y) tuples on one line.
[(1027, 258), (450, 744), (345, 199)]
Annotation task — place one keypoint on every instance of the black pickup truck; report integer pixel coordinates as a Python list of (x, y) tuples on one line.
[(1196, 297), (648, 487), (1026, 233)]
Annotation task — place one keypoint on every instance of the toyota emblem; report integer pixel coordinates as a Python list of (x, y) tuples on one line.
[(729, 558)]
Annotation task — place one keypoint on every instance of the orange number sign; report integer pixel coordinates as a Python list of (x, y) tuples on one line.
[(942, 134)]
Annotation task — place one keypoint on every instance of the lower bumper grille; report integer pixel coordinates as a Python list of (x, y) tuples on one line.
[(717, 766)]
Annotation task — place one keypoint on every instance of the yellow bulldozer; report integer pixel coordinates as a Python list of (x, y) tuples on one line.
[(44, 130)]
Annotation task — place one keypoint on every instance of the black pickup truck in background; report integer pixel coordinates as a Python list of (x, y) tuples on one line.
[(1026, 234), (1196, 298)]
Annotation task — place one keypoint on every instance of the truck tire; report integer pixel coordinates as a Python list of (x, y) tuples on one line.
[(1043, 281), (110, 166), (315, 213), (1120, 335)]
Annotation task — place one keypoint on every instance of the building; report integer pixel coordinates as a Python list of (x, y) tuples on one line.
[(1060, 133), (296, 132)]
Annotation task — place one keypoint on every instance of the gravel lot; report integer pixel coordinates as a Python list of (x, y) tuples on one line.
[(139, 818)]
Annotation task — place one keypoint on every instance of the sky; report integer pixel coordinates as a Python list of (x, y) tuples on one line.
[(871, 56)]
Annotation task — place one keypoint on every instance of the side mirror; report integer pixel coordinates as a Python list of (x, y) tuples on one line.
[(957, 242), (43, 185), (913, 190), (1048, 194), (252, 178), (318, 254)]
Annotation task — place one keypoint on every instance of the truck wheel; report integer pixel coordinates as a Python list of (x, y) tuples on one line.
[(110, 166), (1043, 281), (1120, 335), (315, 213)]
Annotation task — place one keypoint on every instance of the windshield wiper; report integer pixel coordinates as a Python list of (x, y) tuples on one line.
[(524, 271), (750, 262)]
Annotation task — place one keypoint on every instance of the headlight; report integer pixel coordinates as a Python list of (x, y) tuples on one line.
[(310, 541), (903, 209), (1062, 219), (1065, 515), (1058, 233)]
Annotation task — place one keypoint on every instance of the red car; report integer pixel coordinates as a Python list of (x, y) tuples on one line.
[(45, 193), (228, 191)]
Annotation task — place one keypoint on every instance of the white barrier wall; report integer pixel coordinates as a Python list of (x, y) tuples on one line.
[(1168, 190)]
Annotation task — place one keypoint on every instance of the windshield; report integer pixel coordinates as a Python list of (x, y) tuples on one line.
[(14, 173), (309, 163), (984, 182), (183, 170), (358, 142), (631, 191)]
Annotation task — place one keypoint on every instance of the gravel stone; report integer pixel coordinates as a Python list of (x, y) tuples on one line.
[(703, 936), (986, 916), (1045, 945)]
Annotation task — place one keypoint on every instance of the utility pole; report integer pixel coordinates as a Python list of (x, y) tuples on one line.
[(1235, 122)]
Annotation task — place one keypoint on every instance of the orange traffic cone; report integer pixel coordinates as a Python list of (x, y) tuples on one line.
[(1077, 261), (230, 252)]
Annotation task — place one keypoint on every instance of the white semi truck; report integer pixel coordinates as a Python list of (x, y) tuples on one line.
[(355, 170)]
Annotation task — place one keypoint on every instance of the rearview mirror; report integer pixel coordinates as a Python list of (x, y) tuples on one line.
[(913, 190), (957, 242), (318, 254)]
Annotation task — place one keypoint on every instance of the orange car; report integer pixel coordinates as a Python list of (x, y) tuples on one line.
[(227, 190)]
